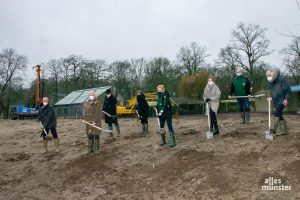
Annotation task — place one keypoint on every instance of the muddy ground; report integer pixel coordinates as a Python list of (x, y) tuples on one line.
[(233, 165)]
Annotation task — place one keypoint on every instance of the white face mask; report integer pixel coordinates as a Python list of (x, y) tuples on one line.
[(210, 82), (45, 103), (269, 78), (239, 74), (92, 98), (108, 95)]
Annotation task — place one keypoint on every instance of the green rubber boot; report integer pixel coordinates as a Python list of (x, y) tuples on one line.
[(118, 131), (173, 139), (282, 128), (146, 129), (163, 139), (97, 143), (90, 144), (247, 117), (243, 118), (276, 124)]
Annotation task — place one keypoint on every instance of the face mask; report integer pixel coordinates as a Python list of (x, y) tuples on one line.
[(210, 82), (239, 74), (108, 95), (92, 98), (45, 103), (269, 78)]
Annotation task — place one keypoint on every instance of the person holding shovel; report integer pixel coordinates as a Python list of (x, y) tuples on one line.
[(110, 111), (142, 111), (48, 121), (164, 111), (93, 116), (280, 95), (211, 96), (241, 87)]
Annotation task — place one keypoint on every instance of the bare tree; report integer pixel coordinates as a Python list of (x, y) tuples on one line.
[(11, 66), (191, 58), (54, 67), (292, 58), (73, 63), (248, 46), (138, 66)]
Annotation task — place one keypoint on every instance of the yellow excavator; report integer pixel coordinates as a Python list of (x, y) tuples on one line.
[(130, 106)]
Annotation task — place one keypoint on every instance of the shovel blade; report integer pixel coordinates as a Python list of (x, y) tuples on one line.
[(209, 135), (269, 135)]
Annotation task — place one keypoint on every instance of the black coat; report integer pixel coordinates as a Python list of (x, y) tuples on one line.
[(142, 106), (47, 117), (110, 106), (280, 90)]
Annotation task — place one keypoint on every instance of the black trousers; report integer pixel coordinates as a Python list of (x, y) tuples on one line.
[(213, 120), (279, 111), (53, 132)]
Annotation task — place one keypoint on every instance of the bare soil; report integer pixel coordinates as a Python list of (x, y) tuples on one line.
[(233, 165)]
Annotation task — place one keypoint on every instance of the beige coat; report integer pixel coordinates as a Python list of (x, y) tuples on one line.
[(93, 115), (213, 92)]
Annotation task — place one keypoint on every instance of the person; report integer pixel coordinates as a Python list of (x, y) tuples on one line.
[(143, 111), (110, 111), (211, 96), (280, 95), (241, 86), (93, 115), (48, 120), (164, 109)]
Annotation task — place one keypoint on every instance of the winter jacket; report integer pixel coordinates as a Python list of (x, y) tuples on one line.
[(110, 106), (213, 93), (47, 117), (240, 86), (280, 90), (142, 106), (163, 102), (93, 115)]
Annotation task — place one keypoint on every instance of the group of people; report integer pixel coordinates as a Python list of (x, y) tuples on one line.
[(240, 88)]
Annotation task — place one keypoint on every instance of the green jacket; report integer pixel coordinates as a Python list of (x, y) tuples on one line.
[(240, 86), (163, 102)]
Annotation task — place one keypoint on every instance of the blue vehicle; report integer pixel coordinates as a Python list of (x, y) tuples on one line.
[(22, 112)]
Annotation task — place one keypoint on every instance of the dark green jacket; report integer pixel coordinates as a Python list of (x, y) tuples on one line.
[(163, 102), (240, 86)]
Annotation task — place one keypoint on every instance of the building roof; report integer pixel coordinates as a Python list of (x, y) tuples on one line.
[(81, 96), (295, 88)]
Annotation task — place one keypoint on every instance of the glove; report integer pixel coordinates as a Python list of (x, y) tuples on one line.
[(207, 100), (160, 113)]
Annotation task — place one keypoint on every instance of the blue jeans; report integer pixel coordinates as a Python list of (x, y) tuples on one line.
[(115, 123), (167, 116), (243, 104)]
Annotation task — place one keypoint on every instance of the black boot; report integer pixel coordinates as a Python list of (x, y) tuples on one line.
[(216, 127)]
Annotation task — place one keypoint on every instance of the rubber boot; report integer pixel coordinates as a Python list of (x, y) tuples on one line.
[(118, 131), (96, 143), (216, 128), (247, 117), (243, 118), (111, 134), (45, 144), (163, 139), (282, 128), (146, 129), (90, 144), (173, 139), (143, 129), (276, 124), (56, 144)]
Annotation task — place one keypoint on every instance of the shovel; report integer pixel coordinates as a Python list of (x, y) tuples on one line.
[(160, 131), (47, 137), (209, 134), (109, 131), (269, 133)]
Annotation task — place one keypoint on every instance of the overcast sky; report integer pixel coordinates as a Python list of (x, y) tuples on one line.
[(124, 29)]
